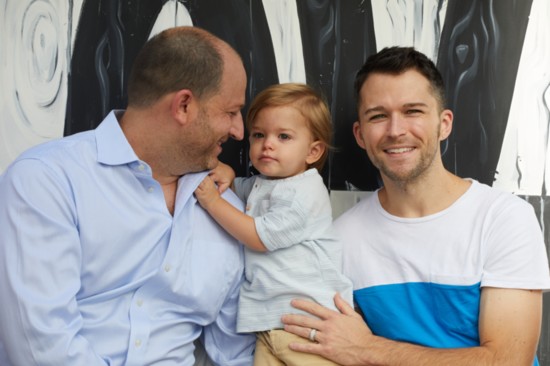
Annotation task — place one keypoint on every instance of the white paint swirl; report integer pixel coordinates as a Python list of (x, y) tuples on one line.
[(284, 27), (524, 163), (33, 74), (415, 23)]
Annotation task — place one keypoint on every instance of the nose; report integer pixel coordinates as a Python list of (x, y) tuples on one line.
[(236, 130), (396, 126), (268, 143)]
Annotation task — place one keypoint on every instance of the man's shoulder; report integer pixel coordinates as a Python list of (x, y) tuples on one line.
[(64, 150), (492, 196), (365, 206), (58, 152)]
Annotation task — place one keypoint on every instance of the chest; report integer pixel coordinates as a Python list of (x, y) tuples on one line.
[(426, 252)]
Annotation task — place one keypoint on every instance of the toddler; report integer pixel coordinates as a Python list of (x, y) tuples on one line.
[(291, 249)]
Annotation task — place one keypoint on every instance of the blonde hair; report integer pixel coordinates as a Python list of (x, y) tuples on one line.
[(307, 101)]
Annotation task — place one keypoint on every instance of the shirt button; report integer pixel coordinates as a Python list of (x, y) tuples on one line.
[(141, 167), (167, 268), (139, 302), (137, 342), (150, 189)]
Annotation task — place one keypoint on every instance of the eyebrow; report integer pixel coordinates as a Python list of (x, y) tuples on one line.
[(416, 104), (406, 105), (374, 109)]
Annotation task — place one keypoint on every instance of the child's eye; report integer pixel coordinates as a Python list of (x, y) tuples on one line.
[(257, 135), (284, 136)]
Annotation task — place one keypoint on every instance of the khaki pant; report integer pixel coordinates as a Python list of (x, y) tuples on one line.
[(272, 350)]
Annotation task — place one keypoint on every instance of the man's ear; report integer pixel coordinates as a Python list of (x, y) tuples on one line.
[(183, 106), (358, 135), (446, 125), (316, 150)]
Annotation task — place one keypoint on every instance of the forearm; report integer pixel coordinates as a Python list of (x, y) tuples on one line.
[(508, 335), (384, 352), (509, 327), (236, 223)]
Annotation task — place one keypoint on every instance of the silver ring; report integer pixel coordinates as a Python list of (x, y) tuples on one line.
[(312, 334)]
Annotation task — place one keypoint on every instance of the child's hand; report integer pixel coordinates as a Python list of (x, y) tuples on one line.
[(207, 193), (223, 175)]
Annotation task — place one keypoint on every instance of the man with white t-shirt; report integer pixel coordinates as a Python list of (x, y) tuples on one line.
[(446, 270)]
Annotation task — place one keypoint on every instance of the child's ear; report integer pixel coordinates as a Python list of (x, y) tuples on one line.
[(316, 150)]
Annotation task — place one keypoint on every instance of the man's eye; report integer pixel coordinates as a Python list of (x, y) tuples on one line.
[(376, 117), (413, 111)]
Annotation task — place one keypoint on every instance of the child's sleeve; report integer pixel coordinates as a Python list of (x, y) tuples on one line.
[(243, 186), (285, 222)]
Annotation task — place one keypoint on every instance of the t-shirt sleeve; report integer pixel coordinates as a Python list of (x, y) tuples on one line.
[(516, 253)]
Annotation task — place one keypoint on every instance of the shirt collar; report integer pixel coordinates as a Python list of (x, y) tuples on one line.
[(114, 149), (112, 146)]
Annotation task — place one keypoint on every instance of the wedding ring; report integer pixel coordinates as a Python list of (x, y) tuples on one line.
[(312, 334)]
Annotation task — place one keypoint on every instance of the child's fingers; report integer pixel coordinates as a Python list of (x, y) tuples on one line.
[(223, 186)]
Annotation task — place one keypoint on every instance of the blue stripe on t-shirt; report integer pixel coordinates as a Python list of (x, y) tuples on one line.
[(427, 314)]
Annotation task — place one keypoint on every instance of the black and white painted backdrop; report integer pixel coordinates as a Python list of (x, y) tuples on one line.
[(64, 65)]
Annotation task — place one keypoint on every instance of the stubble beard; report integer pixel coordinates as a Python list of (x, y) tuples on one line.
[(199, 155), (403, 176)]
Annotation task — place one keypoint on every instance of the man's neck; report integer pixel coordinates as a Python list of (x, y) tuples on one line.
[(422, 197), (136, 126)]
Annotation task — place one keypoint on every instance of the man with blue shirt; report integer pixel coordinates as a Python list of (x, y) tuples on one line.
[(445, 270), (106, 258)]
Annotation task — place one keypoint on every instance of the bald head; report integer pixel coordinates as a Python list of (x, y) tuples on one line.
[(178, 58)]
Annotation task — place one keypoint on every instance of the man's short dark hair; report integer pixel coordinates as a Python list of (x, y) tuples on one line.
[(177, 58), (397, 60)]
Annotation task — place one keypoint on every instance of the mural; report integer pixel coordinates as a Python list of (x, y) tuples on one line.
[(64, 65), (35, 59), (523, 166)]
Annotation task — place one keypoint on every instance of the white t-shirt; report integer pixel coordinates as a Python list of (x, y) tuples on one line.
[(419, 280)]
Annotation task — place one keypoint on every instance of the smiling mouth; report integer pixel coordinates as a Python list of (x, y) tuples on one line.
[(218, 148), (222, 141), (399, 150)]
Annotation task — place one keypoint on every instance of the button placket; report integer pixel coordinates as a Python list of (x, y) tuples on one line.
[(139, 327)]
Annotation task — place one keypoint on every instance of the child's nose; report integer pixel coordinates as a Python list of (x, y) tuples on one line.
[(268, 143)]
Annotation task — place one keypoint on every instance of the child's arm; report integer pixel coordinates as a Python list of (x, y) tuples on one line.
[(223, 175), (237, 223)]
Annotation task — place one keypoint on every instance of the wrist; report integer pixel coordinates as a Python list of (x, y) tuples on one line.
[(213, 203)]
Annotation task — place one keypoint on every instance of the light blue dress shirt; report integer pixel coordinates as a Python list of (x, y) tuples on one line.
[(94, 270)]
